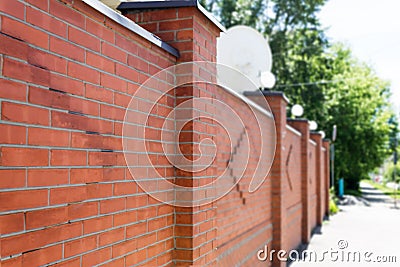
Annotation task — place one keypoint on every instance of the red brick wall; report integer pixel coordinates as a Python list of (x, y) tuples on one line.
[(312, 176), (244, 223), (292, 178), (67, 74)]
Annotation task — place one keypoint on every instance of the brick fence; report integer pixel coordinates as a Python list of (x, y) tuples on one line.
[(68, 70)]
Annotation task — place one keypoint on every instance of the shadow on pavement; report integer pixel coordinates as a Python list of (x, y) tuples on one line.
[(374, 195)]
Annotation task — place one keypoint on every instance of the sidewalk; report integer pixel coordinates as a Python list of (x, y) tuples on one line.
[(361, 232)]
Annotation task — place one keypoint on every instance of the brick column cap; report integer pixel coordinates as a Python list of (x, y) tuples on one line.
[(267, 93), (297, 120), (316, 134), (132, 7)]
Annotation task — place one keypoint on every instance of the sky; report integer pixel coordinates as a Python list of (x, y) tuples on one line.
[(372, 30)]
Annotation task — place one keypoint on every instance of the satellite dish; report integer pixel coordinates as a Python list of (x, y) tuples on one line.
[(246, 50)]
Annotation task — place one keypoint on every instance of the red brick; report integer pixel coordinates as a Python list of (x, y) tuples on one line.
[(12, 262), (79, 246), (111, 112), (99, 30), (82, 38), (127, 73), (47, 217), (112, 205), (67, 158), (96, 257), (43, 5), (82, 176), (59, 100), (67, 49), (124, 248), (67, 194), (175, 24), (12, 90), (115, 263), (46, 22), (24, 32), (126, 44), (72, 121), (184, 35), (122, 100), (48, 61), (83, 73), (111, 236), (98, 93), (157, 15), (76, 262), (67, 84), (47, 137), (125, 218), (15, 9), (99, 190), (156, 224), (47, 177), (67, 14), (137, 257), (11, 134), (114, 174), (15, 200), (125, 188), (137, 229), (12, 178), (138, 63), (32, 240), (97, 224), (11, 156), (82, 140), (23, 113), (25, 72), (82, 210), (136, 201), (113, 52), (102, 158), (100, 62), (42, 256), (12, 223), (113, 82), (13, 47)]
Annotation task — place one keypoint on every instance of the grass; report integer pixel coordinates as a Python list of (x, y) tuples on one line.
[(386, 190)]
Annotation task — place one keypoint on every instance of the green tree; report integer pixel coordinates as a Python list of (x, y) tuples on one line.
[(357, 101), (237, 12), (332, 86), (390, 175)]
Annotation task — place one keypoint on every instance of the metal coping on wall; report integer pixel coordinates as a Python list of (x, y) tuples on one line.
[(125, 7), (129, 24), (293, 130), (313, 142)]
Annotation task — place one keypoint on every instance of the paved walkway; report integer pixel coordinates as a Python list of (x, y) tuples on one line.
[(365, 231)]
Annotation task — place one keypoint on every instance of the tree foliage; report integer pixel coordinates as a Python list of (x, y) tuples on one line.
[(357, 102), (333, 87)]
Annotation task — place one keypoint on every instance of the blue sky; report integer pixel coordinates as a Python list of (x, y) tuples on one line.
[(372, 30)]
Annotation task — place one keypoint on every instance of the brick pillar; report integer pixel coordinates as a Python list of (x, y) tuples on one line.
[(303, 126), (190, 30), (317, 137), (278, 103), (326, 145)]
